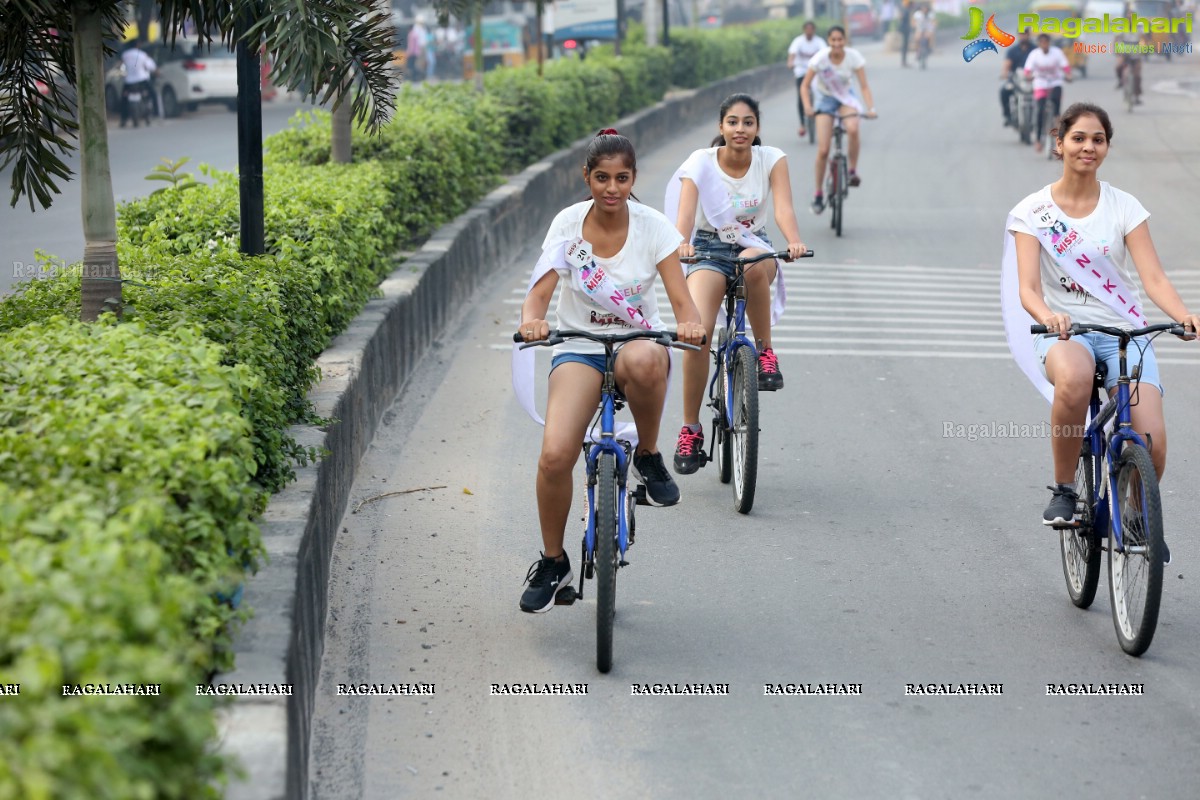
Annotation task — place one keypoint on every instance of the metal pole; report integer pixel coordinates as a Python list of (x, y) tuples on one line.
[(250, 161), (620, 26), (666, 22)]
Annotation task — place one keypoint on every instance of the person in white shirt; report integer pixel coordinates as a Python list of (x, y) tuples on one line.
[(800, 52), (632, 247), (924, 24), (1048, 68), (1084, 219), (139, 68), (749, 178), (831, 74)]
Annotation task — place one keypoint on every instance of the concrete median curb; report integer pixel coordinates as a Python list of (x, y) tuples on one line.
[(363, 372)]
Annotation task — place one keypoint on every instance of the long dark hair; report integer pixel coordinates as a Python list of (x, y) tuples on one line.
[(608, 144), (730, 102)]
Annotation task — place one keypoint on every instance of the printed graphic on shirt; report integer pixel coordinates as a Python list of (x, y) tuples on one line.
[(632, 293)]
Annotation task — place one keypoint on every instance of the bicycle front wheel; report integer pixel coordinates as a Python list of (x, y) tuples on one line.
[(1135, 573), (606, 558), (723, 444), (843, 181), (1081, 545), (745, 429)]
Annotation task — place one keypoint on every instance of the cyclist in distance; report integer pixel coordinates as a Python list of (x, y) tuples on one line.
[(830, 75), (1014, 61), (631, 246), (139, 69), (800, 51), (924, 24), (1048, 68), (1067, 260), (724, 193), (1130, 59)]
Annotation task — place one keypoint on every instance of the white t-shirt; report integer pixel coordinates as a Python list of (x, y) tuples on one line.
[(853, 61), (634, 270), (1114, 218), (1048, 69), (751, 193), (138, 66), (803, 48), (923, 22)]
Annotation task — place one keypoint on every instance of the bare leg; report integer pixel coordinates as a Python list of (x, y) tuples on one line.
[(758, 298), (707, 288), (574, 395), (824, 134), (641, 374), (1070, 367)]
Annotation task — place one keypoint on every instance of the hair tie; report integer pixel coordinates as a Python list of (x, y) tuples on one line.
[(608, 132)]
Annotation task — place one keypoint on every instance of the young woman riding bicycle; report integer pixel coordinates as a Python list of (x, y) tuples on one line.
[(1068, 256), (633, 245), (1048, 68), (724, 193), (830, 76)]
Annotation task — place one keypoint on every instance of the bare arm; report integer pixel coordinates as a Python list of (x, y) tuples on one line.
[(1154, 278), (861, 72), (685, 220), (687, 318), (533, 311), (1029, 278), (806, 94), (785, 213)]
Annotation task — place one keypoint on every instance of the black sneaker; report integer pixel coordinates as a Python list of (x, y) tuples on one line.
[(818, 204), (546, 578), (1061, 511), (689, 450), (769, 376), (660, 486)]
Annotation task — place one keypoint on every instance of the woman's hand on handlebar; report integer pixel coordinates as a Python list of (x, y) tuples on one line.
[(534, 330), (690, 333), (796, 250), (1058, 323)]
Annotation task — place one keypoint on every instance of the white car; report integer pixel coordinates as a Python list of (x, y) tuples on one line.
[(188, 75)]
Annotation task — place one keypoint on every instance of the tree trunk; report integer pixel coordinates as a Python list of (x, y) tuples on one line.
[(340, 152), (541, 38), (101, 280), (478, 47), (145, 15)]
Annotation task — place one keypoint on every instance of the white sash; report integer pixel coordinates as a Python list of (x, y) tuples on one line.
[(1083, 262), (838, 88), (717, 206), (573, 257)]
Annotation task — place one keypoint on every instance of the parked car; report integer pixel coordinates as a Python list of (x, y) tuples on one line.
[(862, 21), (188, 75)]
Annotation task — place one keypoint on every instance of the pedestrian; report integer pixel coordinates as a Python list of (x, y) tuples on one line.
[(720, 199), (414, 53), (906, 12), (1106, 228), (633, 246), (887, 15)]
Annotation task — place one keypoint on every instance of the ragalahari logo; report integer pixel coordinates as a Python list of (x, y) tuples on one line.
[(995, 36)]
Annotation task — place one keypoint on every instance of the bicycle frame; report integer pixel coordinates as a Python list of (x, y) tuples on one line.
[(608, 444), (735, 327)]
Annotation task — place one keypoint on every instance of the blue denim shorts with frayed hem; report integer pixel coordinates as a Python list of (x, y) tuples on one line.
[(707, 243), (593, 360), (1106, 349)]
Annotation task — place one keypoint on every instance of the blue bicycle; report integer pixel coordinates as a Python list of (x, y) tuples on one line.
[(1118, 494), (609, 517), (733, 388)]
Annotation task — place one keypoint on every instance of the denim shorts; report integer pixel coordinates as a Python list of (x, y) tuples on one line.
[(707, 243), (828, 104), (593, 360), (1105, 349)]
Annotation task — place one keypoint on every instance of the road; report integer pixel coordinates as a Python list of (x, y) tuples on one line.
[(207, 136), (883, 549)]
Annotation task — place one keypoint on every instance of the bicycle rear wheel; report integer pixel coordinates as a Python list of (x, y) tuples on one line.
[(1135, 573), (1127, 86), (843, 181), (745, 429), (606, 558), (1081, 545)]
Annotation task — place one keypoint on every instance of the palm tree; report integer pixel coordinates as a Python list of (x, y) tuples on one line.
[(321, 45)]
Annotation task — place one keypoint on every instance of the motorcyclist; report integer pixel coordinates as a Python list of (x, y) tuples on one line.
[(1130, 59), (139, 68), (1014, 62)]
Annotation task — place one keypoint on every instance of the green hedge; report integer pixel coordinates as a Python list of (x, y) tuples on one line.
[(134, 457)]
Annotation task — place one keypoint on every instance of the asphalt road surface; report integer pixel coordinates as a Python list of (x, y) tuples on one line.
[(883, 549), (207, 136)]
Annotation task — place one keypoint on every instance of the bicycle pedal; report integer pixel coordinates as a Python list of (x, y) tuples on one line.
[(639, 495), (622, 563), (566, 596)]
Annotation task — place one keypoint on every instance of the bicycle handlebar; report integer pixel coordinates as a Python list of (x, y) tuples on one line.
[(664, 338), (743, 261), (1173, 328)]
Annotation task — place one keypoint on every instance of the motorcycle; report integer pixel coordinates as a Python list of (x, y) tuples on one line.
[(1020, 105)]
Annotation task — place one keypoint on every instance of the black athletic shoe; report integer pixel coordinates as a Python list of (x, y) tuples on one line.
[(546, 578), (1061, 511), (818, 204), (770, 379), (689, 450), (661, 489)]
